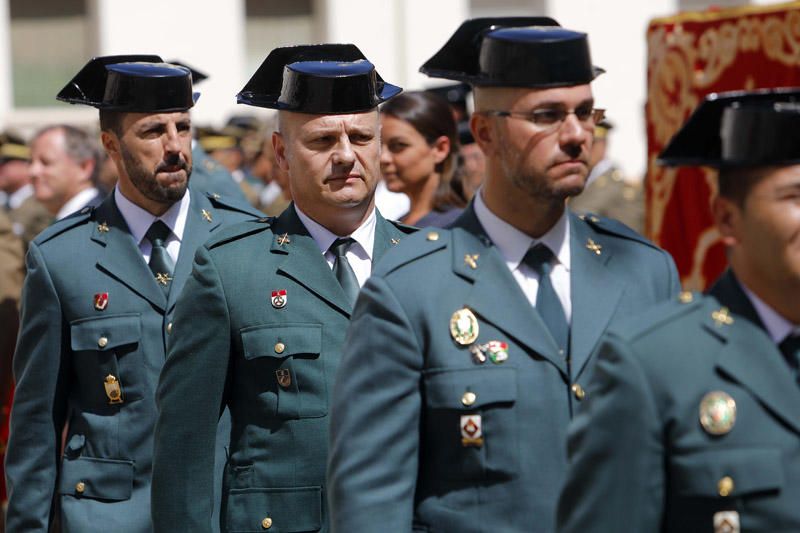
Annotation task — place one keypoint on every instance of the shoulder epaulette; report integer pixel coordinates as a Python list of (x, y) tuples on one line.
[(240, 230), (615, 227), (60, 226), (405, 228), (419, 243), (684, 304), (233, 204)]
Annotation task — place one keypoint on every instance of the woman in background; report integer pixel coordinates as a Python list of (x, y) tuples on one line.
[(420, 147)]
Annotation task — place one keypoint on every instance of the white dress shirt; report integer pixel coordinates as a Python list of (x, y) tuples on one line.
[(514, 244), (77, 202), (359, 255), (778, 327), (139, 221)]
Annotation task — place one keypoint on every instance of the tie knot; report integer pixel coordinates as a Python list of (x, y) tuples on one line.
[(341, 245), (158, 232), (539, 258), (791, 345)]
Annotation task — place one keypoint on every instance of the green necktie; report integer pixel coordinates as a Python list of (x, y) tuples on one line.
[(342, 269), (161, 264), (790, 348), (547, 303)]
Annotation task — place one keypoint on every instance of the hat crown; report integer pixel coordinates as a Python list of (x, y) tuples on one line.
[(318, 79), (134, 83), (739, 129)]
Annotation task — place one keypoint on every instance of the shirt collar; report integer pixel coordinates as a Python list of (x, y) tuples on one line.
[(76, 202), (364, 235), (16, 198), (778, 327), (140, 220), (514, 244)]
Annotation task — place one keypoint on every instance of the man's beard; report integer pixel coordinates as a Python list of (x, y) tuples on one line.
[(146, 182)]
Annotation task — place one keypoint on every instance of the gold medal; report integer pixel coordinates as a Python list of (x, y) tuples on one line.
[(717, 413), (464, 327)]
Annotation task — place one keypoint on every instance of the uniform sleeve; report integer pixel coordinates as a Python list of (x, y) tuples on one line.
[(673, 279), (375, 417), (189, 399), (615, 480), (41, 369)]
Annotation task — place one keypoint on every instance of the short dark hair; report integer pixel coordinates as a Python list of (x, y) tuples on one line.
[(111, 121), (432, 116), (735, 183)]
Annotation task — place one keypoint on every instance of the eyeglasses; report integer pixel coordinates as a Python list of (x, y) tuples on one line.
[(550, 118)]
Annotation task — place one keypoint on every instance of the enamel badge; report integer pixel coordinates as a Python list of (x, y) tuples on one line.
[(113, 389), (279, 298), (497, 352), (471, 431), (284, 377), (464, 327), (101, 301), (717, 413)]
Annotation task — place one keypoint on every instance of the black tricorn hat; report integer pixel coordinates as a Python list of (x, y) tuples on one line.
[(197, 75), (131, 83), (739, 129), (317, 79), (530, 52)]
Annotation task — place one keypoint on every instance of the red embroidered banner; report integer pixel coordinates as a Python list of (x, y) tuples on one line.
[(690, 55)]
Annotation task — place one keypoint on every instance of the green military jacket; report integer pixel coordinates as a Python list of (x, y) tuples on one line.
[(452, 401), (92, 342), (260, 328), (209, 176), (694, 426)]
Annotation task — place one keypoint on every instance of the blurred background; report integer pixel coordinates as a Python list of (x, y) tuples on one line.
[(44, 42)]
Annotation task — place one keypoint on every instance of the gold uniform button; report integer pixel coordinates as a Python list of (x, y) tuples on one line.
[(169, 327), (433, 236), (102, 342), (80, 487), (266, 523), (280, 347), (469, 398), (578, 391), (725, 486)]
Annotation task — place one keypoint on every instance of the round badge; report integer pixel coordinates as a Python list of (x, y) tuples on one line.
[(464, 327), (717, 412)]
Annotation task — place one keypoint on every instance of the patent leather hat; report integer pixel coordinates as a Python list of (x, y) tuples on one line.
[(532, 52), (131, 83), (197, 75), (318, 79), (739, 129)]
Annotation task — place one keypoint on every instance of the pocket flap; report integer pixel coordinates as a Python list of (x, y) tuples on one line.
[(281, 340), (751, 470), (105, 333), (279, 510), (447, 389), (103, 479)]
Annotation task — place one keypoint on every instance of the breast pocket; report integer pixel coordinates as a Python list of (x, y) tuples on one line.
[(470, 427), (283, 370), (106, 360)]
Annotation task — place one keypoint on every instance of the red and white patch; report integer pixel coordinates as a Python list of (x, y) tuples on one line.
[(279, 298), (101, 301), (471, 430)]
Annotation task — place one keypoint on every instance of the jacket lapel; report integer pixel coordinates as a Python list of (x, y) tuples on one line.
[(595, 292), (387, 236), (198, 230), (496, 296), (304, 262), (750, 357), (121, 257)]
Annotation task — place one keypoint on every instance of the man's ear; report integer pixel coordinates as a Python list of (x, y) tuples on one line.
[(482, 131), (727, 216), (279, 146), (110, 143)]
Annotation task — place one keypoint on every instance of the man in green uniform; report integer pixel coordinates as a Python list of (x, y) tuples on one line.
[(97, 308), (694, 424), (469, 349), (260, 327), (27, 214)]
